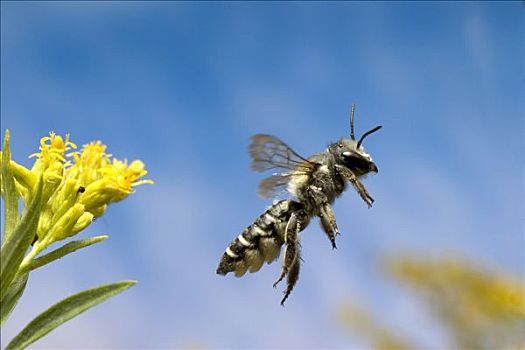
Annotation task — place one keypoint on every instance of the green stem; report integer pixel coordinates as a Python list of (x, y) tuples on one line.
[(37, 248)]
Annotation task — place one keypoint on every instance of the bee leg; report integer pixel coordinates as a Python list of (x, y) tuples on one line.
[(328, 223), (299, 219), (356, 183), (292, 246), (293, 276)]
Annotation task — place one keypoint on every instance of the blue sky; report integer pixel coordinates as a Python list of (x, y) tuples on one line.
[(182, 86)]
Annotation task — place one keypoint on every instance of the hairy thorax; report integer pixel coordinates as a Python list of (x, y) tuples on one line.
[(324, 185)]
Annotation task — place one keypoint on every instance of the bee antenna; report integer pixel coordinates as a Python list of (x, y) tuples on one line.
[(366, 134), (352, 135)]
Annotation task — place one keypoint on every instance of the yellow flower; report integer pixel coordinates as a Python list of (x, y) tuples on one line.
[(50, 162), (125, 177), (88, 162), (117, 182), (76, 192), (52, 149)]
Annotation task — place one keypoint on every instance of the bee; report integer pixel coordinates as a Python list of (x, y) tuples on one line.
[(313, 183)]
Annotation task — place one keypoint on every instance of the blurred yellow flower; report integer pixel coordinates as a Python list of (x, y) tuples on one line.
[(480, 308), (479, 291)]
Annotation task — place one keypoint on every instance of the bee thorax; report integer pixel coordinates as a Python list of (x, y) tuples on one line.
[(297, 183)]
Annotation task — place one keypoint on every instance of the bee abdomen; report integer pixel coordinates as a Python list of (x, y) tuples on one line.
[(259, 243)]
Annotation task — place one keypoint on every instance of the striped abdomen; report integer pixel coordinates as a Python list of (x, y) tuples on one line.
[(259, 243)]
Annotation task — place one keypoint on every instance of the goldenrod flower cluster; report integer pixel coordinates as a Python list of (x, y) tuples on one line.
[(77, 185), (478, 308)]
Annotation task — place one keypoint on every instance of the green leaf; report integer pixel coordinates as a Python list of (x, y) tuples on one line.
[(15, 247), (9, 191), (61, 252), (64, 311), (13, 294)]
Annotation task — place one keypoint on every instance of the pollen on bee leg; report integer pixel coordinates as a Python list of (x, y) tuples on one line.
[(270, 249), (254, 260), (240, 268)]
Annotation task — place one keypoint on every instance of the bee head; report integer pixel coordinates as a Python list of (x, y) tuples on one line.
[(351, 153)]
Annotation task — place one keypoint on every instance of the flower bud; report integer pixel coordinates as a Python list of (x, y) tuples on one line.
[(99, 194), (64, 226), (65, 197), (44, 223), (83, 222), (52, 179)]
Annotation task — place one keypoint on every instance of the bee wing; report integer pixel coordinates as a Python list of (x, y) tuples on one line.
[(269, 152), (275, 184)]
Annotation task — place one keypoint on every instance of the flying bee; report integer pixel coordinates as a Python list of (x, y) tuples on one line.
[(314, 183)]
